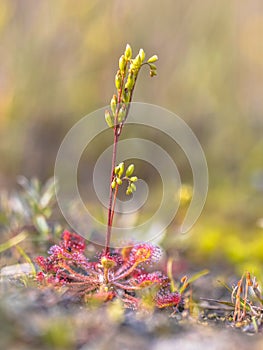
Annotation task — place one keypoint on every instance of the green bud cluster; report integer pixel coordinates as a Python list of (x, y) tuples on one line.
[(125, 80), (115, 116), (119, 178), (119, 169), (130, 189)]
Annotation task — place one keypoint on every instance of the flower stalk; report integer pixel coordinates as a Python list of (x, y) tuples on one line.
[(125, 81)]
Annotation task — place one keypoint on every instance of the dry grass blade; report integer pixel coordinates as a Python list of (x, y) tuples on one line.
[(13, 241)]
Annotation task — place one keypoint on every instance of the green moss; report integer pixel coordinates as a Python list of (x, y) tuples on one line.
[(59, 334)]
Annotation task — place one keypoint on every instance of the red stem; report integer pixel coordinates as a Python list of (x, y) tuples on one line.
[(114, 202), (117, 132), (110, 211)]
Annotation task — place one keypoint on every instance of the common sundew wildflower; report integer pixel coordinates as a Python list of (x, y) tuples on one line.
[(117, 274)]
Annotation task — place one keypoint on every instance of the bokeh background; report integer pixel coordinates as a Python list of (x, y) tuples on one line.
[(58, 61)]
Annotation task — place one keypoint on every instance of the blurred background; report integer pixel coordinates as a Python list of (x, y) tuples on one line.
[(58, 61)]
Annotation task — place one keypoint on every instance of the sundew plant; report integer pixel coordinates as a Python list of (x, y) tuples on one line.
[(121, 273)]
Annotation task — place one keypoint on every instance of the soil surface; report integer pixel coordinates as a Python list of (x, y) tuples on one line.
[(41, 319)]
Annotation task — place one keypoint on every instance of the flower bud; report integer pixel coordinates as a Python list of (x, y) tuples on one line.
[(137, 61), (122, 113), (126, 95), (128, 191), (118, 80), (133, 178), (142, 55), (128, 52), (122, 63), (130, 170), (121, 169), (119, 181), (113, 103), (133, 187), (153, 66), (130, 81), (152, 59), (113, 184), (153, 73), (109, 119)]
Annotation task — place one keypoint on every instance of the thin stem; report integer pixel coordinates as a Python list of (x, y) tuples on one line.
[(109, 225), (114, 202), (117, 133)]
